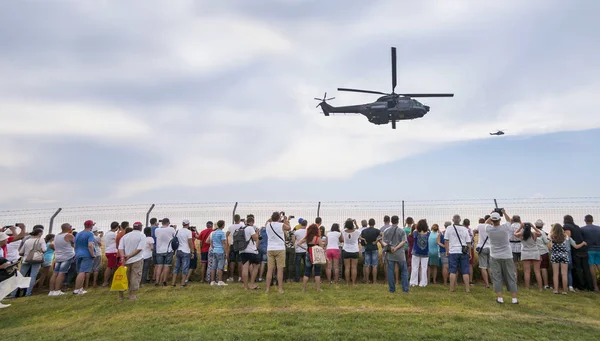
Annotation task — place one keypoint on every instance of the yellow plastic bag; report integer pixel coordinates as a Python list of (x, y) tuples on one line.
[(120, 282)]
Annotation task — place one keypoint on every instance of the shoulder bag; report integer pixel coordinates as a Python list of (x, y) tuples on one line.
[(464, 249), (35, 255)]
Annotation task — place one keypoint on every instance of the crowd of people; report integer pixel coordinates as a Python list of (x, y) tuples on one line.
[(410, 254)]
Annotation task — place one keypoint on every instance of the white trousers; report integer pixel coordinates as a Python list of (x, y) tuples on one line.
[(419, 262)]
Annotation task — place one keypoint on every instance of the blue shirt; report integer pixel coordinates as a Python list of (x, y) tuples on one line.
[(81, 244), (263, 241), (433, 247), (421, 245), (442, 249), (217, 239)]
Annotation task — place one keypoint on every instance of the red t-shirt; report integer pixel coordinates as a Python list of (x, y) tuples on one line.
[(5, 248), (204, 237), (119, 236)]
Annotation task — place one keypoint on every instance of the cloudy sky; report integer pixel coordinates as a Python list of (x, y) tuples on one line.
[(140, 101)]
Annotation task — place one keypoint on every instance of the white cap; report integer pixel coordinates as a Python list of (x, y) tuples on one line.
[(94, 229), (495, 216), (185, 222), (3, 236), (539, 223)]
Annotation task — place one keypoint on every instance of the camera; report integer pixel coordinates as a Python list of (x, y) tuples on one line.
[(498, 210), (292, 217)]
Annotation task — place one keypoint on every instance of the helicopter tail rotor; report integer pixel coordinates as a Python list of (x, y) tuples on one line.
[(323, 100)]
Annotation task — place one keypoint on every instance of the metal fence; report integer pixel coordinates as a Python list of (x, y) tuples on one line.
[(551, 210)]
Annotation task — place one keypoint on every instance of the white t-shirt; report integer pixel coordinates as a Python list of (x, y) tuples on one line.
[(12, 253), (275, 243), (453, 242), (299, 234), (134, 240), (163, 238), (149, 247), (28, 246), (251, 248), (333, 240), (110, 242), (183, 235), (231, 229), (482, 236), (351, 241)]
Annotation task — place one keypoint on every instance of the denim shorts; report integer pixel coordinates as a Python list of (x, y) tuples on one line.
[(263, 257), (84, 264), (458, 261), (218, 261), (371, 258), (63, 267), (182, 262), (97, 263), (164, 259), (594, 257)]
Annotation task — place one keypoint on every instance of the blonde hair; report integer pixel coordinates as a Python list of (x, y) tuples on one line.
[(557, 234)]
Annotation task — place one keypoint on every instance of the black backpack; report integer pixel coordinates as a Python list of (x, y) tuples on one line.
[(239, 240), (174, 242)]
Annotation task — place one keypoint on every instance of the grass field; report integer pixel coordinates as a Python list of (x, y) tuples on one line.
[(367, 312)]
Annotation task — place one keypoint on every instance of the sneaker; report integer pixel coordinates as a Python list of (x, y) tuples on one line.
[(239, 279), (52, 293), (2, 306), (500, 300), (260, 280), (547, 287), (213, 283), (80, 292), (59, 293), (222, 284), (230, 279), (515, 301), (571, 289)]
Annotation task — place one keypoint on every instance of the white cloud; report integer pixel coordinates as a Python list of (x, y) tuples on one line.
[(268, 127)]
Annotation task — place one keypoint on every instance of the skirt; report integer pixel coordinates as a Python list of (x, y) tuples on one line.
[(434, 259)]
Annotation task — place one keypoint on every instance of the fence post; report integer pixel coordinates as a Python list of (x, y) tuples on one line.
[(233, 214), (495, 203), (319, 209), (148, 215), (52, 219), (403, 219)]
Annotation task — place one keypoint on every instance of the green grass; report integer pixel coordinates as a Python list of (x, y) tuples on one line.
[(368, 312)]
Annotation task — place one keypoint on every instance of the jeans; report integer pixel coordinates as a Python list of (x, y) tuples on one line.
[(570, 274), (33, 270), (182, 262), (300, 256), (145, 269), (289, 263), (403, 275)]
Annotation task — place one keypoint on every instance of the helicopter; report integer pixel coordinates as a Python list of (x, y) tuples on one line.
[(391, 107), (498, 133)]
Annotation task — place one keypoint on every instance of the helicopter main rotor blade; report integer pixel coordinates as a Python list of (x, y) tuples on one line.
[(363, 91), (394, 79), (428, 95)]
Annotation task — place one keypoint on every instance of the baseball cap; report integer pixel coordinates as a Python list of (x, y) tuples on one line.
[(94, 229), (137, 224), (185, 222), (89, 223), (300, 220), (539, 223), (3, 236), (495, 216)]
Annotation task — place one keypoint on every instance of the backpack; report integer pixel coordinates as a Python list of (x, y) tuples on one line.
[(174, 242), (239, 240)]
